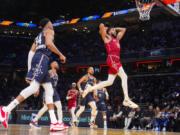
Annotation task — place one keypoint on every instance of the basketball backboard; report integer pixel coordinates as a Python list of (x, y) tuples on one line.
[(172, 6)]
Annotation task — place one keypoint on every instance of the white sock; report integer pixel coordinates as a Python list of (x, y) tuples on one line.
[(73, 114), (59, 111), (12, 105), (52, 116), (40, 113), (124, 78), (105, 123)]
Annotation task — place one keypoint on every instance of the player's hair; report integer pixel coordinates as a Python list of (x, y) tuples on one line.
[(43, 22), (89, 68)]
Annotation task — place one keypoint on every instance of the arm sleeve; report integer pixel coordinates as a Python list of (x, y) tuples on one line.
[(30, 56)]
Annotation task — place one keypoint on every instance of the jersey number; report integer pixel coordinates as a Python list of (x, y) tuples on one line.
[(38, 40)]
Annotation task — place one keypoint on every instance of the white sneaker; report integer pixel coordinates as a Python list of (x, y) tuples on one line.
[(56, 127), (156, 129), (134, 128), (129, 103), (86, 91), (164, 129)]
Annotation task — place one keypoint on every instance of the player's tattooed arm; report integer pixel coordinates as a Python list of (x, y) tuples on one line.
[(121, 32), (84, 78), (49, 37)]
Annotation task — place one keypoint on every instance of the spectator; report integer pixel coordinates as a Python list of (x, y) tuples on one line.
[(136, 119), (129, 118), (148, 118)]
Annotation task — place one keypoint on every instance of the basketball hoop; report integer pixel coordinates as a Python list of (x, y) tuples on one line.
[(144, 8)]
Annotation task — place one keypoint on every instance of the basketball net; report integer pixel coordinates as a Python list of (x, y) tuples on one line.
[(144, 8)]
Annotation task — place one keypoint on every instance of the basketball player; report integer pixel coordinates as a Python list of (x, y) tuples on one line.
[(72, 97), (54, 79), (89, 99), (100, 96), (38, 74), (111, 37)]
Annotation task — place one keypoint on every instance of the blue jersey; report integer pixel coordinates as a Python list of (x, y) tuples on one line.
[(54, 80), (89, 81), (41, 45), (101, 95)]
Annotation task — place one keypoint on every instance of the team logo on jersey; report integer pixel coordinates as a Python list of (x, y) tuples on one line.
[(37, 70)]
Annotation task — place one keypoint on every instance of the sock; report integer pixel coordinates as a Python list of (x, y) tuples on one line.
[(59, 111), (12, 105), (73, 114), (105, 123), (40, 113), (52, 117), (124, 78)]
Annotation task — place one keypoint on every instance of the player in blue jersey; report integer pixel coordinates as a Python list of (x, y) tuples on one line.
[(38, 74), (54, 78), (89, 99), (101, 95)]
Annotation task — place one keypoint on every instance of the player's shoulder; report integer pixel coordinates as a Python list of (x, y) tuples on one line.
[(49, 31)]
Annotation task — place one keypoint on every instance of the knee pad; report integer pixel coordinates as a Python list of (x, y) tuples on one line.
[(31, 89), (49, 91)]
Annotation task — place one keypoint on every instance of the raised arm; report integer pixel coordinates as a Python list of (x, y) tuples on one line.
[(102, 32), (121, 32), (31, 55), (84, 78), (49, 37)]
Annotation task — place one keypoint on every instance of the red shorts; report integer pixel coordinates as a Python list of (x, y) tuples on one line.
[(114, 64), (70, 106)]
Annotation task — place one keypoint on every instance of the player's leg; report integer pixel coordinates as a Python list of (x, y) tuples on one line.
[(79, 112), (38, 116), (92, 104), (103, 84), (73, 113), (5, 111), (59, 111), (105, 119), (124, 78)]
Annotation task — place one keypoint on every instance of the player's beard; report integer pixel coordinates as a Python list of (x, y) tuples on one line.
[(114, 35)]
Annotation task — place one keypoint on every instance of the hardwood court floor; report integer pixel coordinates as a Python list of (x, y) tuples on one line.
[(25, 130)]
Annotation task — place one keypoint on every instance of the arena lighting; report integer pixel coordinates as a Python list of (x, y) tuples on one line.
[(142, 62), (94, 17), (107, 15), (121, 12), (100, 67), (63, 69), (74, 20), (7, 23), (77, 68), (59, 23), (172, 60), (26, 24)]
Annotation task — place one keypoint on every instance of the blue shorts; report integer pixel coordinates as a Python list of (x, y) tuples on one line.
[(101, 106), (39, 68), (87, 99), (56, 96)]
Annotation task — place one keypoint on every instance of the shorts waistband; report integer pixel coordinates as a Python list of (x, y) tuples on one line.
[(114, 56), (39, 51)]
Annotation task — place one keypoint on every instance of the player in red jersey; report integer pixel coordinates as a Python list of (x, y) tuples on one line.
[(111, 38), (72, 97)]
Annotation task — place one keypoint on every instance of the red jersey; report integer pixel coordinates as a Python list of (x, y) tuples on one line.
[(113, 60), (72, 101), (113, 47)]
